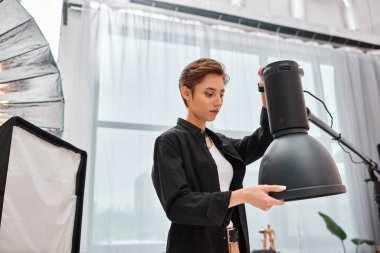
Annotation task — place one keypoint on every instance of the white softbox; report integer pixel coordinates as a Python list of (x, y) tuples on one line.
[(41, 190)]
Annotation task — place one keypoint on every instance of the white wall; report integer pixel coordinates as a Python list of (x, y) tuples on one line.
[(69, 57), (368, 15), (324, 16)]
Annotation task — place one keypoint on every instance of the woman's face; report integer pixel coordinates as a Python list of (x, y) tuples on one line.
[(207, 98)]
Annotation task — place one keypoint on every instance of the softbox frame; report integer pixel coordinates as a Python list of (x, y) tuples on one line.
[(42, 182)]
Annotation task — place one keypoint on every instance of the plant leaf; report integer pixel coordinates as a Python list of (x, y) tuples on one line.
[(334, 228), (357, 241)]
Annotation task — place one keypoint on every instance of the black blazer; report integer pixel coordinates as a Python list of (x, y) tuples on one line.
[(186, 180)]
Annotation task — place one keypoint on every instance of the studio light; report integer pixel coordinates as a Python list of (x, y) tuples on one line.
[(294, 158), (41, 190)]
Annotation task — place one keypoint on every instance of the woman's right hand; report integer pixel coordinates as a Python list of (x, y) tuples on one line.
[(257, 196)]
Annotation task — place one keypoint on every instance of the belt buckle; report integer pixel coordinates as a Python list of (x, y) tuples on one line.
[(232, 235)]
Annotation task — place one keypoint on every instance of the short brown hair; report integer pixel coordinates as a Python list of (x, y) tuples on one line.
[(195, 72)]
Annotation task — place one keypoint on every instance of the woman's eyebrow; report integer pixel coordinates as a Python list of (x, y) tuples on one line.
[(210, 88)]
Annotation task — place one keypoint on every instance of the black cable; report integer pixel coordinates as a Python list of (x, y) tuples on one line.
[(324, 105), (352, 160), (332, 122)]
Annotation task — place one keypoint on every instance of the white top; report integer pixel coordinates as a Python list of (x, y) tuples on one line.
[(225, 171)]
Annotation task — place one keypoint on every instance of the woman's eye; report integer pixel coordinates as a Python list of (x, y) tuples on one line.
[(221, 96), (208, 94)]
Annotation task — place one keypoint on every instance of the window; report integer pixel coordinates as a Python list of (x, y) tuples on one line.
[(138, 98)]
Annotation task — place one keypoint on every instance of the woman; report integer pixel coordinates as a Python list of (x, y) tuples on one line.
[(198, 174)]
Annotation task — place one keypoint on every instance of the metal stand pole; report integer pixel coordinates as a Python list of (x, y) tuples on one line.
[(371, 165)]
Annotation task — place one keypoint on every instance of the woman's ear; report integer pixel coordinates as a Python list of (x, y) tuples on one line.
[(185, 93)]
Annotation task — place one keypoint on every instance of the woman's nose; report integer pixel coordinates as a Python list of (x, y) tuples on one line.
[(218, 100)]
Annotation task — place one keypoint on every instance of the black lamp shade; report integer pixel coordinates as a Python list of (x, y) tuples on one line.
[(302, 164), (294, 158)]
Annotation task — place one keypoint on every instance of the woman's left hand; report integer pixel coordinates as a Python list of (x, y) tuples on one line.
[(261, 84)]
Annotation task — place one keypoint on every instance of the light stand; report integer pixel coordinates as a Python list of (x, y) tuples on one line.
[(294, 158), (371, 165)]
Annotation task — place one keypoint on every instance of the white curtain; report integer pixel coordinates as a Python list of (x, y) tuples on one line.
[(128, 94)]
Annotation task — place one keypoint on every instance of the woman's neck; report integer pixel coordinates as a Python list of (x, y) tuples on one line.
[(190, 117)]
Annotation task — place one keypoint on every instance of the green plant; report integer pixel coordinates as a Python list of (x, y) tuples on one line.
[(336, 230), (358, 242)]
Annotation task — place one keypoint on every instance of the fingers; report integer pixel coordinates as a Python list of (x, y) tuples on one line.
[(269, 202), (259, 197), (260, 73), (273, 188), (277, 202)]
